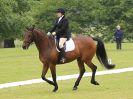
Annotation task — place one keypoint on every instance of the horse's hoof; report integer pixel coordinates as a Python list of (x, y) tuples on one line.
[(55, 89), (95, 83), (75, 88)]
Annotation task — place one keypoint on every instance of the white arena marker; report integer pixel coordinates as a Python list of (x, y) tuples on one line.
[(34, 81)]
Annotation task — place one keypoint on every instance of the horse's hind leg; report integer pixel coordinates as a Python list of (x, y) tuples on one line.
[(82, 71), (93, 68)]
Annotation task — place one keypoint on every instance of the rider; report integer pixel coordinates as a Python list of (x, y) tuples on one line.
[(60, 30)]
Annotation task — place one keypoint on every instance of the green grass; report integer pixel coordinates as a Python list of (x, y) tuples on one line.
[(115, 86), (17, 64)]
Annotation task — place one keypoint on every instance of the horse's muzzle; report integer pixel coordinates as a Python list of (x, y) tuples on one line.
[(24, 46)]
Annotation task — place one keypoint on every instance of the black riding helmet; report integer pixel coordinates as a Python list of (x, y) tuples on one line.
[(60, 10)]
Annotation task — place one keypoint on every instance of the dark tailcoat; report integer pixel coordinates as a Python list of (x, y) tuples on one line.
[(61, 28)]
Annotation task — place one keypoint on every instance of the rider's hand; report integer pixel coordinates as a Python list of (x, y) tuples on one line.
[(53, 33), (48, 33)]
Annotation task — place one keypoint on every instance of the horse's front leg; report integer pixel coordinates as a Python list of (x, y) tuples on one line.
[(44, 72), (53, 72)]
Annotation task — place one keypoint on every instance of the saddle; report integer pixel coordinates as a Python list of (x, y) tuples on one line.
[(68, 46)]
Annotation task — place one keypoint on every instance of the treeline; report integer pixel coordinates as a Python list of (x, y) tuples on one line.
[(90, 17)]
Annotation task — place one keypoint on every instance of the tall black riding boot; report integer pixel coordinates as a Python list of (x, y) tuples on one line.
[(62, 53)]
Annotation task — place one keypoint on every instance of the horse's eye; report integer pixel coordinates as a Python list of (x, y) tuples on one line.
[(29, 36)]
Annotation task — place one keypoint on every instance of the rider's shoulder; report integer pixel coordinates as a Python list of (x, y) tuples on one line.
[(65, 19)]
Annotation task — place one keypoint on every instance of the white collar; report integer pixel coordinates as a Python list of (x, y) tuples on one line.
[(60, 18)]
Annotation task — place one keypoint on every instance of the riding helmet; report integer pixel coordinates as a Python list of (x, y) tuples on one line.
[(60, 10)]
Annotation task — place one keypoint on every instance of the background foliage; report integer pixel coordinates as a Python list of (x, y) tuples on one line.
[(91, 17)]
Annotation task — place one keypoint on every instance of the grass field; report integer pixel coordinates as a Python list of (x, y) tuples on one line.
[(17, 64)]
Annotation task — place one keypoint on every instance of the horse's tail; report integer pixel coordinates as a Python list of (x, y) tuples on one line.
[(101, 54)]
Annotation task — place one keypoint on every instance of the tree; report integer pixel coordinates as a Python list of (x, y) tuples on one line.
[(91, 17), (114, 12), (14, 18)]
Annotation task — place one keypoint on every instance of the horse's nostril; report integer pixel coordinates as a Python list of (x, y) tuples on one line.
[(24, 47)]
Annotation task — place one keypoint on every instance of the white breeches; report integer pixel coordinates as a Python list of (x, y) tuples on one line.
[(61, 42)]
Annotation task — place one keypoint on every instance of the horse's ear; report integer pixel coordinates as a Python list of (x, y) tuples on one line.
[(27, 28), (33, 27)]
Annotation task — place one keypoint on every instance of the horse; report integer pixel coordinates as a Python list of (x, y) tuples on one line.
[(85, 50)]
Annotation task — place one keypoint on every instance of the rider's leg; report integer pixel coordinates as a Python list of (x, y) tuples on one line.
[(61, 42), (61, 45)]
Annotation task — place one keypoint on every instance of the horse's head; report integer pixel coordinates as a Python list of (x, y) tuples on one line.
[(28, 38)]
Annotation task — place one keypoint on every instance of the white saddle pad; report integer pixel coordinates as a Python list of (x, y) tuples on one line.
[(70, 46)]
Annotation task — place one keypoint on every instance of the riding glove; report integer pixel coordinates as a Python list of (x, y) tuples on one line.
[(53, 33), (48, 33)]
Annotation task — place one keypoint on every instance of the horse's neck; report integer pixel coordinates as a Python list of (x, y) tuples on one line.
[(42, 41)]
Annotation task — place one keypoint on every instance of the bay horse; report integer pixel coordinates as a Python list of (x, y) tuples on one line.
[(85, 50)]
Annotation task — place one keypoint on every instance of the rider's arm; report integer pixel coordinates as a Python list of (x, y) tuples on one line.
[(53, 29), (63, 27)]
